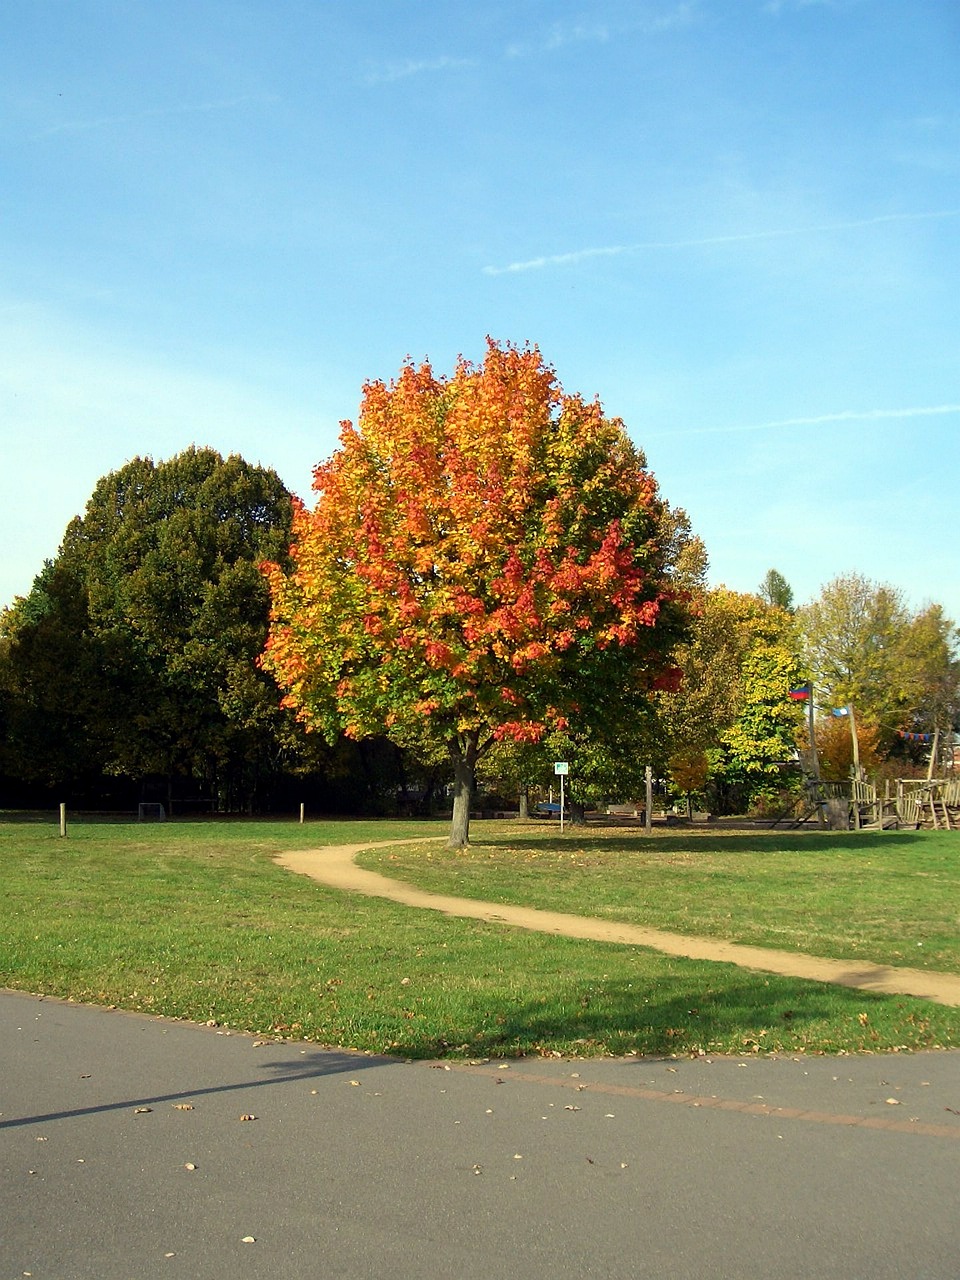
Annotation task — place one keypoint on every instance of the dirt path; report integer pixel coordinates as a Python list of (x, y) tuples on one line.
[(335, 866)]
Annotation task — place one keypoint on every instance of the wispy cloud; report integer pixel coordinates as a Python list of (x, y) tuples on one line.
[(415, 67), (156, 113), (818, 420), (563, 34), (779, 6), (580, 33), (616, 250)]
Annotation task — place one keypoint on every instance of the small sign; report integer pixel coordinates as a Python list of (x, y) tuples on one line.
[(561, 767)]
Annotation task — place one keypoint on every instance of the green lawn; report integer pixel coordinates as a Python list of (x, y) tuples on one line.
[(891, 897), (194, 920)]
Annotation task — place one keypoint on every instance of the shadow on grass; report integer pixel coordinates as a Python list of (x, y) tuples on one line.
[(693, 842), (756, 1014)]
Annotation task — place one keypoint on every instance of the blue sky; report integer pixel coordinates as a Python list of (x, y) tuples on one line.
[(736, 221)]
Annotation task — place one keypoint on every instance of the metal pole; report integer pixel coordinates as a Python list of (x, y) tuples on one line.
[(561, 803), (63, 820), (648, 811), (301, 813)]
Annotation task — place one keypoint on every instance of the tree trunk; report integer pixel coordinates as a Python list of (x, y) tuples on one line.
[(576, 812), (524, 803), (463, 752)]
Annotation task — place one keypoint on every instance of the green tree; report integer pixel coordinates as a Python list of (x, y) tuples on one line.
[(53, 727), (733, 705), (776, 590), (488, 558), (154, 613)]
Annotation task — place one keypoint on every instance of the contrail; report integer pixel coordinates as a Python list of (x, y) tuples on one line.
[(845, 415), (611, 251)]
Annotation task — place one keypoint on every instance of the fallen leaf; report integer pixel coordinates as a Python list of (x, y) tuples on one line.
[(182, 1106), (249, 1240), (248, 1116), (893, 1102), (571, 1107), (141, 1111)]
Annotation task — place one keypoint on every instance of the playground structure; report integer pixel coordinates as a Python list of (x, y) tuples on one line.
[(931, 803)]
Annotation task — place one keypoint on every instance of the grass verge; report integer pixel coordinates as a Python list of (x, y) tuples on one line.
[(194, 920)]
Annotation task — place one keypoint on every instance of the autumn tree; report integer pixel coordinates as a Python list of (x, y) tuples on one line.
[(834, 738), (487, 559), (898, 670)]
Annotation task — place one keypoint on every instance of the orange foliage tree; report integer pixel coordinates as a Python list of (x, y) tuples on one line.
[(835, 747), (487, 559)]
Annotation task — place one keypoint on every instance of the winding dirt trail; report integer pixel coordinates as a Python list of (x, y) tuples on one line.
[(334, 866)]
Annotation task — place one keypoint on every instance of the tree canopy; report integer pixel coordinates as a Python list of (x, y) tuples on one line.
[(899, 670), (733, 708), (487, 559), (136, 650)]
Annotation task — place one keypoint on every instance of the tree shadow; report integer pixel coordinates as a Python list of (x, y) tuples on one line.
[(757, 1013), (317, 1063), (700, 842)]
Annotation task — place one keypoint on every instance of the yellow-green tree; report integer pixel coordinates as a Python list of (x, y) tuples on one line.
[(734, 704)]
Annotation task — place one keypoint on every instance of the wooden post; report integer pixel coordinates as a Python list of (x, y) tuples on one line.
[(648, 810), (63, 820), (301, 813), (934, 751), (854, 739)]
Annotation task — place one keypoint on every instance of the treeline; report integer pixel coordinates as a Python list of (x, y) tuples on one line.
[(131, 671)]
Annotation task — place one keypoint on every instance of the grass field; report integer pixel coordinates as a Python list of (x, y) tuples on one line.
[(194, 920), (891, 897)]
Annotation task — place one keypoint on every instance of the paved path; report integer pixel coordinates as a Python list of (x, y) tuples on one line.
[(129, 1148), (335, 866)]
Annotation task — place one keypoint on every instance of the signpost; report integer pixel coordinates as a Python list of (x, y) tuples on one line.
[(561, 768)]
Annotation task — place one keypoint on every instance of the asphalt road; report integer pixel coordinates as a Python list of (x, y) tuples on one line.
[(125, 1155)]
